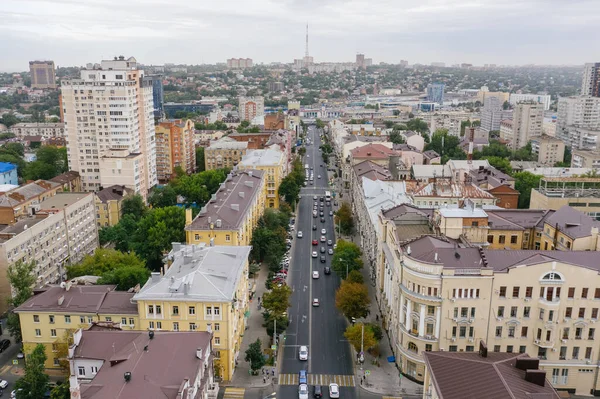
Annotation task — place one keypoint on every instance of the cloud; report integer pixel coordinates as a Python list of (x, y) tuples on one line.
[(74, 32)]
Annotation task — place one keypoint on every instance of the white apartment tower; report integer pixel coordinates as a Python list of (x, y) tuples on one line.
[(527, 123), (110, 108), (578, 122)]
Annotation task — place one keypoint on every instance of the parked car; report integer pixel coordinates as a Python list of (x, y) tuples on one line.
[(5, 343), (3, 384)]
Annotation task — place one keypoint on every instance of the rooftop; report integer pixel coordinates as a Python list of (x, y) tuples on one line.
[(516, 219), (26, 192), (199, 273), (160, 372), (257, 158), (61, 201), (113, 193), (573, 223), (371, 171), (81, 299), (7, 167), (372, 151), (226, 143), (66, 177), (227, 208)]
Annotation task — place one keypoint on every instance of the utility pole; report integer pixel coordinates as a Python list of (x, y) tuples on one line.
[(275, 341), (361, 359)]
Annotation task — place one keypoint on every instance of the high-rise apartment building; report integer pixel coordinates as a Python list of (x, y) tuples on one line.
[(174, 148), (157, 96), (435, 93), (42, 74), (109, 118), (578, 121), (492, 114), (544, 99), (239, 63), (360, 61), (590, 84), (251, 107), (527, 123)]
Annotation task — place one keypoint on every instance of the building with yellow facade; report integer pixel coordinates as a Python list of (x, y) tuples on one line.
[(108, 203), (49, 317), (175, 148), (224, 153), (582, 193), (204, 288), (273, 163), (231, 214)]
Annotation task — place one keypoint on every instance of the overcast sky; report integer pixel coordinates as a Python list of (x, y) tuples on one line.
[(75, 32)]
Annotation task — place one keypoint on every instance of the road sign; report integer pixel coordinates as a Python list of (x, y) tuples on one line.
[(367, 372), (274, 347), (15, 361)]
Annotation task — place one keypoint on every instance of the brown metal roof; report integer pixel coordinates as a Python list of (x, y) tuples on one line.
[(573, 223), (371, 170)]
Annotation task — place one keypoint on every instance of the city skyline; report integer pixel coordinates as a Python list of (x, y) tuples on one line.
[(510, 33)]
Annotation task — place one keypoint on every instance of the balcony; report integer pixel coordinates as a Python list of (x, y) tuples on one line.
[(543, 343)]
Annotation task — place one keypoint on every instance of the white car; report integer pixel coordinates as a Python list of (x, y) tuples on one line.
[(303, 391), (323, 239), (314, 254), (323, 231), (316, 274), (3, 384), (319, 176), (299, 234), (303, 353), (334, 390), (315, 197), (316, 302)]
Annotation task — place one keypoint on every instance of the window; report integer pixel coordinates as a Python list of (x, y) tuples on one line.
[(82, 319), (217, 327), (565, 333), (454, 332), (584, 293), (217, 311), (209, 310), (81, 370), (175, 326), (108, 318), (131, 321), (38, 332), (53, 332), (472, 313), (452, 348), (471, 331), (516, 292), (522, 349), (588, 353), (500, 311), (594, 313), (571, 294), (217, 354), (490, 239), (513, 311), (542, 353), (56, 361), (470, 348), (151, 325), (581, 314), (474, 224), (227, 237), (578, 331), (217, 341), (150, 309), (192, 326), (513, 239), (511, 331), (51, 319), (498, 332), (526, 311), (496, 348), (463, 332), (591, 332), (565, 376), (524, 331), (501, 239), (502, 292), (548, 335), (509, 349), (528, 292), (176, 310), (555, 374), (192, 310), (428, 347), (575, 352), (36, 318), (464, 312), (67, 319), (430, 310), (159, 325), (568, 312), (158, 309), (597, 293), (542, 311), (90, 319), (563, 353), (94, 369)]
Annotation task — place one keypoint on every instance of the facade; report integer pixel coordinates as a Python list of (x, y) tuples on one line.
[(111, 364), (585, 159), (581, 193), (43, 74), (110, 108), (239, 63), (175, 148), (157, 96), (590, 84), (549, 150), (251, 107), (108, 203), (435, 93), (122, 168), (492, 114), (256, 141), (49, 317), (275, 121), (45, 130), (224, 153), (276, 87), (578, 121), (528, 118), (543, 99), (506, 130), (273, 164), (231, 214), (204, 288), (8, 173), (69, 181)]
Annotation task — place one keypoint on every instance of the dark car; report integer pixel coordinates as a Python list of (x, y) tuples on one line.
[(317, 392), (327, 270), (5, 343), (322, 250), (323, 260), (314, 226), (321, 214), (322, 220), (302, 377), (322, 199)]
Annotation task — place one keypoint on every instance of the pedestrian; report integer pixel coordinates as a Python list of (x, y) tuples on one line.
[(264, 379), (273, 371), (376, 317), (263, 371), (258, 298)]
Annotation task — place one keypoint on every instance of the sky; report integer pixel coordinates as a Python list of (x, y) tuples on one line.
[(504, 32)]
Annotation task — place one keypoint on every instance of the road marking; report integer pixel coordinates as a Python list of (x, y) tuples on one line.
[(318, 379), (391, 397), (234, 393)]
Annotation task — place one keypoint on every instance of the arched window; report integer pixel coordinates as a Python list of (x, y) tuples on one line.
[(413, 347), (552, 276)]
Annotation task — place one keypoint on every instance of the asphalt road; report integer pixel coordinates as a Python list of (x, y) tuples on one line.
[(320, 328)]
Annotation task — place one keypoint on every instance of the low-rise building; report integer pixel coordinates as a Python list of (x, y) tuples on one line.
[(224, 153), (204, 288), (23, 201), (69, 181), (585, 159), (174, 148), (231, 214), (108, 203), (549, 150), (413, 139), (45, 130), (256, 141), (140, 364), (49, 317), (8, 173), (273, 163), (581, 193)]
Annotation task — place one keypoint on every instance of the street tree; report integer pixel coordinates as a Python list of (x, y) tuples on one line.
[(354, 334), (289, 189), (163, 196), (524, 182), (133, 205), (355, 277), (255, 356), (346, 257), (61, 391), (200, 159), (34, 384), (344, 219), (352, 299), (21, 278), (277, 301)]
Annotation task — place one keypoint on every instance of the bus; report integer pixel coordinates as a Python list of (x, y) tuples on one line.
[(327, 195)]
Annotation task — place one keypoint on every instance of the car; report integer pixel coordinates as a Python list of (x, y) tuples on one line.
[(322, 220), (315, 197), (321, 214), (322, 199), (329, 242), (13, 394), (311, 168), (335, 245), (302, 391), (315, 274), (334, 390), (314, 226), (323, 239), (328, 203), (303, 352), (292, 221), (322, 250), (311, 178), (292, 227), (315, 214), (318, 176), (330, 251), (327, 270), (315, 301), (5, 343), (317, 392), (20, 355), (315, 242), (323, 260), (303, 377), (323, 231), (299, 234), (314, 254), (316, 203), (3, 384), (330, 213), (321, 165)]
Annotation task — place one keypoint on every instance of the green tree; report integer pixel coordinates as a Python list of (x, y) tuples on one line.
[(163, 196), (133, 205), (289, 189), (34, 383), (277, 301), (39, 170), (199, 159), (21, 278), (396, 112), (344, 219), (54, 157), (255, 356), (502, 164), (346, 256), (355, 277), (302, 151), (319, 123), (126, 277), (396, 138), (417, 125), (352, 299), (524, 182), (269, 324), (447, 145), (354, 334), (9, 119), (61, 391), (102, 261), (17, 148)]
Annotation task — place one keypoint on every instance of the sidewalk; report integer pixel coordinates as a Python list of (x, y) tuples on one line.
[(254, 331)]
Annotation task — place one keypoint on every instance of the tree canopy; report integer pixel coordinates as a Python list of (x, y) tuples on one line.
[(447, 145), (255, 356), (21, 278), (352, 299), (524, 182), (346, 256), (34, 383), (344, 220), (355, 336)]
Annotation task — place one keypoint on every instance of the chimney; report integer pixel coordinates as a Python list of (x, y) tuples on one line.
[(537, 377), (235, 207), (176, 246), (127, 376), (527, 363), (483, 350), (155, 276), (199, 353), (188, 216)]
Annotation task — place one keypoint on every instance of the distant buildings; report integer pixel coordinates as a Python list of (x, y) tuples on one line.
[(8, 173), (239, 63), (360, 61), (275, 87), (590, 84), (224, 153), (174, 148), (492, 113), (539, 98), (435, 93), (46, 130), (251, 107), (578, 123), (109, 114), (527, 123), (43, 74), (585, 159), (549, 150), (157, 95)]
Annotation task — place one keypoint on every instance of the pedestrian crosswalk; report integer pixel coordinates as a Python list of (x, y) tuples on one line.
[(318, 379), (234, 393)]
